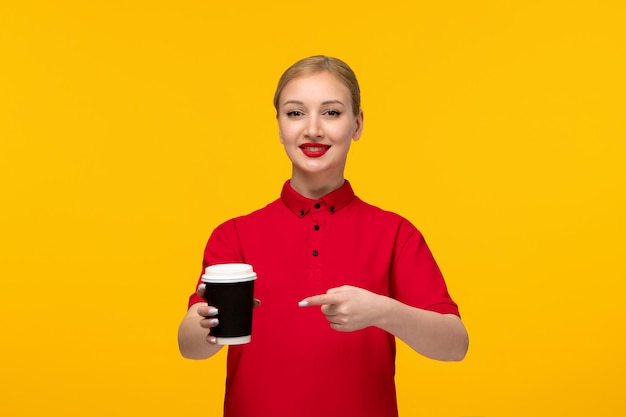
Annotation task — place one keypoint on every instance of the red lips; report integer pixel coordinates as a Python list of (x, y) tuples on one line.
[(314, 150)]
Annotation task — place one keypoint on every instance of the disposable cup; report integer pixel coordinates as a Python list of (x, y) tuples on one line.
[(230, 289)]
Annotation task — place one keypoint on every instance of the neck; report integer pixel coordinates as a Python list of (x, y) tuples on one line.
[(315, 186)]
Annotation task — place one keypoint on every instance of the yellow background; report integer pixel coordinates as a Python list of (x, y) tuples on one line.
[(130, 129)]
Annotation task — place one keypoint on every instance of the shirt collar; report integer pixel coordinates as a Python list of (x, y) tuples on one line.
[(300, 205)]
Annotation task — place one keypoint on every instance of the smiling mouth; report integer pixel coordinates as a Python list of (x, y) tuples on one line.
[(313, 149)]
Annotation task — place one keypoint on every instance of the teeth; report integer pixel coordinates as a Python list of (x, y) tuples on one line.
[(314, 148)]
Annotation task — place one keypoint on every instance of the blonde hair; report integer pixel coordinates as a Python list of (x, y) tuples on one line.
[(321, 63)]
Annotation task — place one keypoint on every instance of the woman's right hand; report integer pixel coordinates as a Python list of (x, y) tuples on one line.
[(208, 314)]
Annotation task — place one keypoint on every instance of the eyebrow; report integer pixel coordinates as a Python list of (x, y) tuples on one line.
[(324, 103)]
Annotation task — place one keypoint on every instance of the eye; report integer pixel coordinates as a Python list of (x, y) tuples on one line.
[(333, 113), (294, 113)]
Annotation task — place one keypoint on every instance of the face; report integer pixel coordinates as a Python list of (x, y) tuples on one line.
[(316, 124)]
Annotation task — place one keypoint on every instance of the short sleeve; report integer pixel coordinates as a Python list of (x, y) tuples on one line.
[(223, 246), (416, 279)]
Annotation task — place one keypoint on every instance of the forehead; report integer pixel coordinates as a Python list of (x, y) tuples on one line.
[(321, 85)]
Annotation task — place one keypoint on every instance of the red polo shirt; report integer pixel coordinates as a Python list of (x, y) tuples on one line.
[(296, 365)]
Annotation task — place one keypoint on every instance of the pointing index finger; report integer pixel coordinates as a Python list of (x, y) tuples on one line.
[(318, 300)]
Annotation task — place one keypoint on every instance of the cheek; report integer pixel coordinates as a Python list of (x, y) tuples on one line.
[(281, 134), (287, 134), (342, 133)]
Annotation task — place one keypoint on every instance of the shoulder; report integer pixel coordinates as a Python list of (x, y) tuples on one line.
[(388, 222), (272, 209), (380, 214)]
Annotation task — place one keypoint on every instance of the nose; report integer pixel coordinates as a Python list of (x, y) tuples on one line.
[(314, 127)]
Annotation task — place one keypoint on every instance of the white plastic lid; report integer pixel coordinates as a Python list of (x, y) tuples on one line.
[(228, 273)]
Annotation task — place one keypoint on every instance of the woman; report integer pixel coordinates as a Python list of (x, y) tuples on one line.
[(369, 271)]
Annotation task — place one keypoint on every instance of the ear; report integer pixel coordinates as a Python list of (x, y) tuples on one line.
[(359, 126)]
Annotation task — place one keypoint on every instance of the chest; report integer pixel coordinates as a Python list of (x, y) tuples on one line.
[(311, 254)]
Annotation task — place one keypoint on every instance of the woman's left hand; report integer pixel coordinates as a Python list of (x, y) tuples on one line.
[(348, 308)]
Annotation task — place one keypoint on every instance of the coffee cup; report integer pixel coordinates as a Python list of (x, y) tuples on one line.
[(230, 289)]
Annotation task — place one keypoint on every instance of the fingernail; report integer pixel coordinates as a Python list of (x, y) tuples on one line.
[(213, 311), (303, 303), (214, 321), (201, 286), (213, 340)]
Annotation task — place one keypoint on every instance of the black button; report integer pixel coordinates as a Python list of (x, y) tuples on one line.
[(317, 205), (315, 253), (332, 209), (302, 212), (316, 227)]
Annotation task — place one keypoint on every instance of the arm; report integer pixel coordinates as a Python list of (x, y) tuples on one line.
[(194, 339), (434, 335)]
